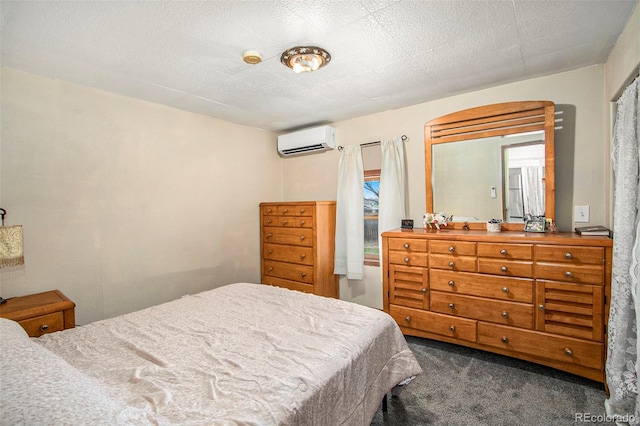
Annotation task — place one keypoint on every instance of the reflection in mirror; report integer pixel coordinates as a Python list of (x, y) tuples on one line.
[(492, 162), (490, 178), (523, 172)]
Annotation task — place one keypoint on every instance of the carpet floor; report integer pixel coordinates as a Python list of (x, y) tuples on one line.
[(464, 386)]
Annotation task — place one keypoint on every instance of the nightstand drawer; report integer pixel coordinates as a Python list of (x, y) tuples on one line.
[(37, 326)]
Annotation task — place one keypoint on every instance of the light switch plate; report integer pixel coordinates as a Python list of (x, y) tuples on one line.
[(581, 213)]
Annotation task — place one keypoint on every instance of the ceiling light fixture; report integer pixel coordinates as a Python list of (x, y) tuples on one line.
[(305, 58)]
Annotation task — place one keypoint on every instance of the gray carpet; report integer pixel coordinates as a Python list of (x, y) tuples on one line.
[(464, 386)]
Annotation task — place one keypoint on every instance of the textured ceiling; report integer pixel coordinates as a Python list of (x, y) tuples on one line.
[(385, 54)]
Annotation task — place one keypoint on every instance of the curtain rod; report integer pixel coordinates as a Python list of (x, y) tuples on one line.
[(340, 147)]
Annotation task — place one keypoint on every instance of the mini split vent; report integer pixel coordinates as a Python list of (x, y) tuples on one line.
[(314, 139)]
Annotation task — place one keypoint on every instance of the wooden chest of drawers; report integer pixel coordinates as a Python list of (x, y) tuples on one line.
[(539, 297), (41, 313), (297, 246)]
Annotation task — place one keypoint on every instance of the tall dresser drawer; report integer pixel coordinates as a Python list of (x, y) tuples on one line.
[(408, 245), (500, 312), (444, 325), (304, 210), (563, 349), (293, 236), (291, 254), (288, 271)]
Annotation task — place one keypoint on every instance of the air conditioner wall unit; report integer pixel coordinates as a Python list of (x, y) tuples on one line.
[(314, 139)]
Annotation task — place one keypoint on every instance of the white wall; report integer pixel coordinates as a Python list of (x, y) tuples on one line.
[(125, 203), (580, 175)]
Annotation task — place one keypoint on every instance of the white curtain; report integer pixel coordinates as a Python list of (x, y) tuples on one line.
[(349, 253), (533, 192), (393, 187), (622, 356)]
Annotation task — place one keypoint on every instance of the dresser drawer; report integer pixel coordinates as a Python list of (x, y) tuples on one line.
[(408, 258), (408, 286), (304, 222), (288, 271), (508, 268), (570, 272), (304, 210), (572, 254), (503, 288), (408, 245), (461, 248), (293, 236), (291, 254), (286, 210), (544, 345), (444, 325), (291, 285), (453, 263), (506, 251), (500, 312), (269, 210), (38, 326)]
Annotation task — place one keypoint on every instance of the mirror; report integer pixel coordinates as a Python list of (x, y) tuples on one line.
[(492, 162)]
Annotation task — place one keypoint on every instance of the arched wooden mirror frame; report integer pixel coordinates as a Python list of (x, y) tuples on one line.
[(495, 120)]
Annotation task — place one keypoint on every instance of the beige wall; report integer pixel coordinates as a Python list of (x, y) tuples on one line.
[(124, 203)]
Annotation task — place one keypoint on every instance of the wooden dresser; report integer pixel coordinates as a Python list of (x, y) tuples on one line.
[(297, 246), (538, 297), (41, 313)]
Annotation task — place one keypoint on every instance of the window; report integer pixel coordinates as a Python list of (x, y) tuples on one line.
[(371, 243)]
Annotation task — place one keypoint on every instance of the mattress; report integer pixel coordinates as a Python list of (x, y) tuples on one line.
[(241, 354)]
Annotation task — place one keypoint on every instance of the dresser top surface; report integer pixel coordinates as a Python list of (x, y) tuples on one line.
[(504, 236)]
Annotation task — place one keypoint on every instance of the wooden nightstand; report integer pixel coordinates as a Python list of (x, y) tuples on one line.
[(41, 313)]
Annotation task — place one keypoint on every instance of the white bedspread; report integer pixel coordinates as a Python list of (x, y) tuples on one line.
[(242, 354)]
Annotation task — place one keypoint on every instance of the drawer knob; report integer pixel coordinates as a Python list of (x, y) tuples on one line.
[(503, 268), (505, 289), (269, 235), (424, 290), (269, 251), (302, 237), (302, 274), (568, 351), (568, 255), (451, 249), (541, 307), (302, 222), (44, 327), (568, 274), (452, 327), (301, 211), (452, 264), (505, 314), (269, 221), (284, 222), (406, 245), (302, 256), (505, 339), (406, 260), (407, 318), (269, 210), (503, 252), (285, 210), (451, 283), (451, 305), (270, 268)]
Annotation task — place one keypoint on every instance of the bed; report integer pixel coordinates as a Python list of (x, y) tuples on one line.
[(241, 354)]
